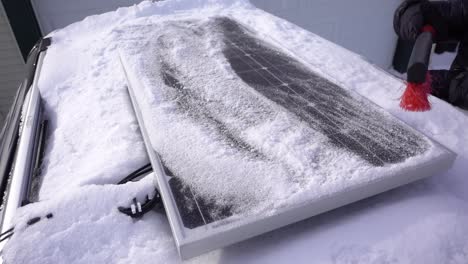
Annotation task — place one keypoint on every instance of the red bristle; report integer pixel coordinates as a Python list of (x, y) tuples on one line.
[(416, 96), (429, 28)]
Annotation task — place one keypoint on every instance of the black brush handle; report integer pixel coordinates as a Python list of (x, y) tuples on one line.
[(419, 60)]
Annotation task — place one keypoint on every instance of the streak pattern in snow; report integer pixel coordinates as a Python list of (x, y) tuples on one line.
[(348, 122), (246, 128)]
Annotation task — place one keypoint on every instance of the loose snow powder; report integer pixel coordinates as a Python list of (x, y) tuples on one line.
[(227, 141), (94, 142)]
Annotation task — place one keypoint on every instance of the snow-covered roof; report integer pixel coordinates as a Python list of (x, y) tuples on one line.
[(94, 142)]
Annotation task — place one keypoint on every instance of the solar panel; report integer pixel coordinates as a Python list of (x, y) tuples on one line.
[(315, 100), (220, 100)]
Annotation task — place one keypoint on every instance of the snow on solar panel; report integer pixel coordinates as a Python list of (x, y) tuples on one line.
[(245, 138)]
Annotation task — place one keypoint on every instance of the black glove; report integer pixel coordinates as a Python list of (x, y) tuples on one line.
[(433, 13), (412, 15), (458, 90), (408, 20), (451, 86)]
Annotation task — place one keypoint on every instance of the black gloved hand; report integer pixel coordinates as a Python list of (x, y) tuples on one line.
[(451, 86), (408, 20), (458, 90), (433, 15)]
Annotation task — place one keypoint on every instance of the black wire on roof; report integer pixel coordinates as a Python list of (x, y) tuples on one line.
[(137, 209)]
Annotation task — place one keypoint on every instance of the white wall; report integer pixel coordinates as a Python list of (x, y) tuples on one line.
[(363, 26), (11, 66)]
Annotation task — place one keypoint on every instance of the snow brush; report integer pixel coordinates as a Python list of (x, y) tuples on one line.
[(415, 97)]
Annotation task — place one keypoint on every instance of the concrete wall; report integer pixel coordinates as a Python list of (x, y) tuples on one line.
[(363, 26)]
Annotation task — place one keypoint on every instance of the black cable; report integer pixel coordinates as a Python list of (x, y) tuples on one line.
[(137, 209), (139, 172), (6, 237), (6, 232), (9, 233)]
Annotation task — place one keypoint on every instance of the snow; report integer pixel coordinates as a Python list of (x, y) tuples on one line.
[(285, 161), (94, 142)]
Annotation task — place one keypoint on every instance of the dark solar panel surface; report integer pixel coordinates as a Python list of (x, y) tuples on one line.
[(349, 124), (195, 210), (324, 105)]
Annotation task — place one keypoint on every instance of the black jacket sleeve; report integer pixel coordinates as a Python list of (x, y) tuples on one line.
[(408, 19), (449, 18)]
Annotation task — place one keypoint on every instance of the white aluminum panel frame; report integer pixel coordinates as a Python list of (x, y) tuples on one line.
[(217, 236)]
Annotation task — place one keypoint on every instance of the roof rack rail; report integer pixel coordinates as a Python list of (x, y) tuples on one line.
[(22, 141)]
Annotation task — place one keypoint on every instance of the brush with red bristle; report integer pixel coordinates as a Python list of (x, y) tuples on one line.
[(418, 87)]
